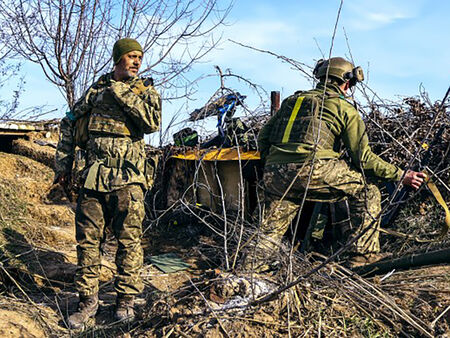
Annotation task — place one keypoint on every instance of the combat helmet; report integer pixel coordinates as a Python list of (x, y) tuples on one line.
[(340, 69)]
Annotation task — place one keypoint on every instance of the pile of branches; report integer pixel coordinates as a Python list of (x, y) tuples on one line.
[(405, 133), (401, 133), (334, 302)]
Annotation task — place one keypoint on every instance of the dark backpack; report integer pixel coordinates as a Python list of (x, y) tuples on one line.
[(186, 137)]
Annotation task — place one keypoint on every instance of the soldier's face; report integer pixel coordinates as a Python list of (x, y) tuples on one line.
[(128, 65)]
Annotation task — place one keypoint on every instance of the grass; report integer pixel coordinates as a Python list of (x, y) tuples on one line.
[(13, 222), (365, 327), (13, 209)]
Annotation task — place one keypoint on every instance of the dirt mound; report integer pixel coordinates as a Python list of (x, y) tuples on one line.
[(37, 146), (27, 319), (37, 238), (14, 326), (25, 183), (37, 248)]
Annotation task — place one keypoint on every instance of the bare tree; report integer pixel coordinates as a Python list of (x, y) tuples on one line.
[(8, 70), (72, 39)]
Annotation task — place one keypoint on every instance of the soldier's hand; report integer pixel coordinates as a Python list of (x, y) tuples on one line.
[(63, 179), (414, 179)]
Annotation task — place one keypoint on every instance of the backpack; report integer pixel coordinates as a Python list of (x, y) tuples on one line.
[(81, 132), (186, 137)]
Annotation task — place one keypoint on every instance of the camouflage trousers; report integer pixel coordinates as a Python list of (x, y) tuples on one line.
[(124, 210), (329, 181)]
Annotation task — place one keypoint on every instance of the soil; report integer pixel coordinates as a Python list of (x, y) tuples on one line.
[(39, 146), (15, 325)]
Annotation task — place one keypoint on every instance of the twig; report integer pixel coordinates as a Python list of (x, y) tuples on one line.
[(225, 229), (168, 334), (210, 308), (181, 333), (384, 300), (433, 323), (297, 65), (18, 285)]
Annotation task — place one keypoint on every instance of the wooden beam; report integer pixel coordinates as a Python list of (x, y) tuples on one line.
[(14, 132)]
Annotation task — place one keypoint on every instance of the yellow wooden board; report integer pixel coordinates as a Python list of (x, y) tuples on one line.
[(225, 154)]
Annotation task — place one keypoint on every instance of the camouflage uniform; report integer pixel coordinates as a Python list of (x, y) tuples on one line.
[(314, 124), (119, 114)]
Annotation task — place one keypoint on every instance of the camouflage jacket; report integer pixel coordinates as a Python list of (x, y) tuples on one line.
[(291, 135), (119, 114)]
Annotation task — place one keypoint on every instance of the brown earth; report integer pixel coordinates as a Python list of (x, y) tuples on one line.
[(39, 146), (13, 325), (47, 224)]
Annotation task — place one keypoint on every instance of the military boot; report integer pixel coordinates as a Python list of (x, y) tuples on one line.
[(124, 308), (87, 308)]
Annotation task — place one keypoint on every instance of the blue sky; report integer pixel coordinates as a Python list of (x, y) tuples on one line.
[(400, 44)]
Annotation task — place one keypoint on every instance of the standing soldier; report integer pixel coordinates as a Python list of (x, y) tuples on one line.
[(300, 146), (109, 121)]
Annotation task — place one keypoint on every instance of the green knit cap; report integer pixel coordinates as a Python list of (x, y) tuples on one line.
[(123, 46)]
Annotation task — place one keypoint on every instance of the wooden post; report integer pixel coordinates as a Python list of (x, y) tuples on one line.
[(274, 102)]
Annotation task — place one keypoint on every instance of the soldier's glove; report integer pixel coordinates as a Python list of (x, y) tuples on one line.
[(65, 180), (62, 178)]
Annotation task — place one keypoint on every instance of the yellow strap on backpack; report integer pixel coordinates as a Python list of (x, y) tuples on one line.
[(287, 131), (437, 194)]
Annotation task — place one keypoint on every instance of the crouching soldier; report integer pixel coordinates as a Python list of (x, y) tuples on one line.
[(109, 121), (300, 146)]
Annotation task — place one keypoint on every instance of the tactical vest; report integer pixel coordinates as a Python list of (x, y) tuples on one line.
[(107, 117), (299, 122)]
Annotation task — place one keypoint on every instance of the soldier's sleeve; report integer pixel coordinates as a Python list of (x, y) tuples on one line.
[(263, 141), (264, 135), (65, 150), (144, 108), (66, 146), (356, 141)]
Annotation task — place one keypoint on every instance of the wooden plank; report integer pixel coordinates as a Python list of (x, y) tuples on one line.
[(13, 132)]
